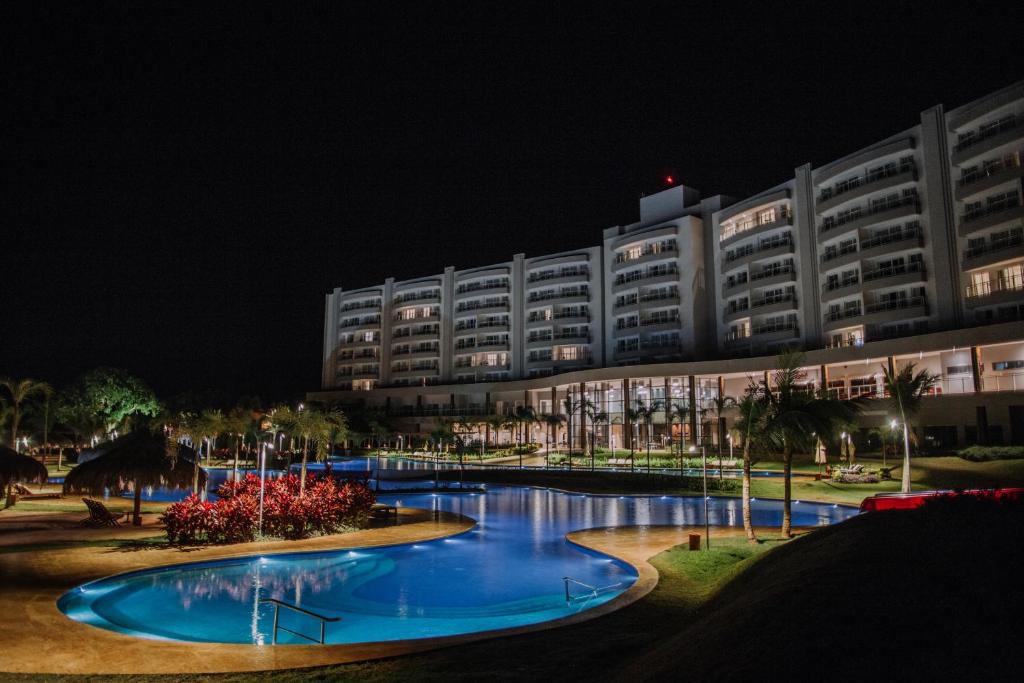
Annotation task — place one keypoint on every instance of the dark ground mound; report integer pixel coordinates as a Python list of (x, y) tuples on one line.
[(930, 593)]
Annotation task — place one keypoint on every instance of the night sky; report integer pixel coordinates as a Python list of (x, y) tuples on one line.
[(183, 186)]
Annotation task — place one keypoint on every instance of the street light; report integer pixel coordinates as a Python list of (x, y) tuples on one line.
[(707, 523), (263, 476)]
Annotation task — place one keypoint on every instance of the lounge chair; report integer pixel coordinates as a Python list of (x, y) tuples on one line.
[(855, 469), (26, 494), (383, 511), (99, 515)]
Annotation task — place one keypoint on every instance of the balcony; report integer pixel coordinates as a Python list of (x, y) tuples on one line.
[(864, 185), (773, 276), (361, 323), (626, 353), (789, 327), (841, 318), (989, 216), (986, 179), (648, 255), (784, 218), (994, 251), (417, 334), (572, 338), (361, 305), (481, 308), (773, 304), (399, 320), (491, 345), (652, 276), (659, 324), (419, 299), (892, 276), (568, 296), (764, 250), (889, 211), (840, 288), (1001, 291), (735, 286), (985, 142), (539, 279), (627, 305), (539, 341), (906, 238), (493, 327), (365, 374), (735, 312), (470, 291), (428, 371), (892, 310)]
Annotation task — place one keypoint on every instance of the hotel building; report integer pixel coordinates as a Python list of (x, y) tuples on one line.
[(909, 250)]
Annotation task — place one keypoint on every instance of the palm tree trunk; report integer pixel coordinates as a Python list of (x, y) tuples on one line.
[(748, 526), (236, 456), (905, 487), (787, 513), (305, 458), (137, 506)]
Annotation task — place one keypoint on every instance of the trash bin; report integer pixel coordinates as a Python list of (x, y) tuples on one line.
[(694, 541)]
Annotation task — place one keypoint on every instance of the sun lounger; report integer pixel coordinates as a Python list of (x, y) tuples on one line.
[(26, 494), (99, 515), (383, 511)]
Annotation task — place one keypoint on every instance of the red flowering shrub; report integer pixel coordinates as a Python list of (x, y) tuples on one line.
[(324, 508)]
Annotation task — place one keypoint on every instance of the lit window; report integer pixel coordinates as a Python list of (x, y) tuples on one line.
[(766, 216)]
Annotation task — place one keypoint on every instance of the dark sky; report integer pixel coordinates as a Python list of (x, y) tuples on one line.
[(184, 185)]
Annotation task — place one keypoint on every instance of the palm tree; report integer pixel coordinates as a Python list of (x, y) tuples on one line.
[(553, 422), (645, 413), (206, 425), (906, 389), (598, 417), (634, 416), (682, 413), (524, 416), (20, 391), (495, 423), (237, 423), (719, 404), (749, 428), (793, 417)]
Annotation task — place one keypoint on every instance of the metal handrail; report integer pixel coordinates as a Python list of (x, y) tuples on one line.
[(278, 604), (594, 590)]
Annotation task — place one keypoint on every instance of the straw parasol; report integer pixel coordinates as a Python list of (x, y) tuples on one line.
[(15, 467), (133, 462)]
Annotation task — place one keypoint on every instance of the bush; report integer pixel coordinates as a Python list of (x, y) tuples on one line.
[(988, 453), (326, 507)]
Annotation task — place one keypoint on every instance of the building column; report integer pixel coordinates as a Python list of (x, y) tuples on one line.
[(487, 403), (823, 378), (627, 424), (976, 367), (693, 411), (721, 418), (554, 401), (583, 418)]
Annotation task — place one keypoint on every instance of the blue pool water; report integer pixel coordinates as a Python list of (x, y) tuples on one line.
[(505, 572)]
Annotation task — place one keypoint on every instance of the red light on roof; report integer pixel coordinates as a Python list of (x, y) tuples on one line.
[(669, 180)]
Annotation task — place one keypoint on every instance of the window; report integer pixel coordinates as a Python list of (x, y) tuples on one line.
[(368, 336), (958, 370), (766, 216), (1008, 365), (1012, 277)]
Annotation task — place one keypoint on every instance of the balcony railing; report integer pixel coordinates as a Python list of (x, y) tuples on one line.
[(876, 208), (1014, 283), (866, 179), (906, 233), (994, 245), (768, 328), (646, 274), (772, 272), (770, 300), (833, 285), (895, 304), (844, 313), (764, 245), (1001, 127), (890, 271), (989, 209), (547, 296), (1006, 164), (419, 296), (360, 305), (554, 275), (661, 247)]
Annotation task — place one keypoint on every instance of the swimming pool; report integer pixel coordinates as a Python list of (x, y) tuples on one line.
[(505, 572)]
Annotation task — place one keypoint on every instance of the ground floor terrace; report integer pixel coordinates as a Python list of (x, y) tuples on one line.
[(979, 398)]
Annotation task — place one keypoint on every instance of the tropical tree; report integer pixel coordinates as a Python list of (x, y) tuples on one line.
[(20, 391), (645, 413), (719, 404), (206, 427), (495, 423), (571, 407), (237, 424), (112, 395), (794, 416), (749, 429), (680, 412), (553, 422), (635, 416), (906, 390), (597, 417), (328, 427)]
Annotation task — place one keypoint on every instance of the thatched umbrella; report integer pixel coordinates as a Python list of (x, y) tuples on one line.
[(133, 462), (15, 467)]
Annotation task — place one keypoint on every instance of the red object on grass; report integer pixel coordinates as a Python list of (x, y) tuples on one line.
[(909, 501)]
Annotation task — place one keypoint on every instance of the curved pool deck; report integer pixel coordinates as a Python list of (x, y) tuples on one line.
[(31, 622)]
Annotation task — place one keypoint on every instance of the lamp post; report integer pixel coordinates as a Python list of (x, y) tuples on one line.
[(263, 477), (707, 522), (728, 437)]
